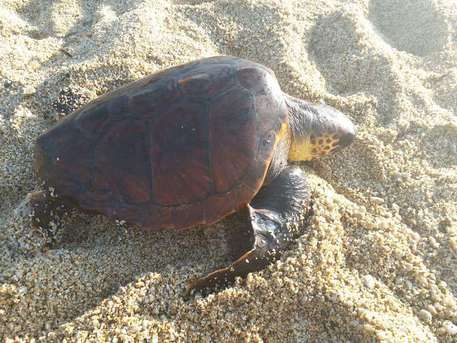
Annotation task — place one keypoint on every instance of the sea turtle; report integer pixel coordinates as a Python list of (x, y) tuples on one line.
[(188, 146)]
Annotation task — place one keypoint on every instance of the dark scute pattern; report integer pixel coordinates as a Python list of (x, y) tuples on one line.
[(120, 156), (118, 107), (172, 150), (254, 79), (233, 137), (154, 98), (63, 157), (207, 81), (180, 155), (91, 120), (182, 127)]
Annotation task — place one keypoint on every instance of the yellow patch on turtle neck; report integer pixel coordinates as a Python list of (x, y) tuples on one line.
[(301, 150), (282, 132), (308, 148)]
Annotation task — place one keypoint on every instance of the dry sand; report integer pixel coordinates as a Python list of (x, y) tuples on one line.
[(379, 259)]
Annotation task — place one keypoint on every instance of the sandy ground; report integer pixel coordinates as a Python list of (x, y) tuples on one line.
[(378, 261)]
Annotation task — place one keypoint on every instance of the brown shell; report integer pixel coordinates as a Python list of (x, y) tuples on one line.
[(182, 147)]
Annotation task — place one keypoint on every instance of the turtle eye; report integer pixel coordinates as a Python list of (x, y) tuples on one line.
[(269, 139)]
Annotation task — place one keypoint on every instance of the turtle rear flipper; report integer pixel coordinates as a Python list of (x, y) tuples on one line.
[(275, 214)]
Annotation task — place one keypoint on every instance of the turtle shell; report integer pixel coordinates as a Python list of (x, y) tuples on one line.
[(186, 146)]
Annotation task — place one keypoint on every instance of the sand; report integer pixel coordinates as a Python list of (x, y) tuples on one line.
[(378, 260)]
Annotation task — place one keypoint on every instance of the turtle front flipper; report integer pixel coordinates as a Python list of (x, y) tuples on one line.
[(275, 214)]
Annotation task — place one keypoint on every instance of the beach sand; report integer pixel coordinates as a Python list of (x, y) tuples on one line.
[(378, 260)]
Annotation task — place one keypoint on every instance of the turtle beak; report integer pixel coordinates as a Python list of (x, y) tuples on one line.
[(347, 135), (338, 123)]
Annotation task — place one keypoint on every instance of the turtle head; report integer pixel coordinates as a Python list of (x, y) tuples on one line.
[(317, 130)]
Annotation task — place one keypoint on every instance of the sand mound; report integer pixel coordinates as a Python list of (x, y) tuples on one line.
[(378, 261)]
